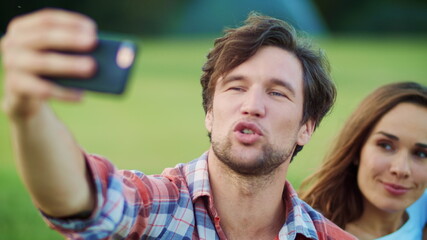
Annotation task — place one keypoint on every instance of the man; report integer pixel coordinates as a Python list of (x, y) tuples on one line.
[(264, 92)]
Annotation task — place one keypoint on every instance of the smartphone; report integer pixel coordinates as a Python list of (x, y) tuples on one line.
[(114, 62)]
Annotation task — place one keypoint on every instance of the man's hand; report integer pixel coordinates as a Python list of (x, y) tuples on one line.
[(50, 162), (27, 55)]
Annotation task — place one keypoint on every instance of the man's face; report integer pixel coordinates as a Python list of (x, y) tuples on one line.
[(255, 119)]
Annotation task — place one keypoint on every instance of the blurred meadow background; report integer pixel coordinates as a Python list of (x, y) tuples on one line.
[(159, 121)]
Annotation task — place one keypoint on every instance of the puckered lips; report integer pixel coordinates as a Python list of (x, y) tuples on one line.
[(247, 133), (395, 189)]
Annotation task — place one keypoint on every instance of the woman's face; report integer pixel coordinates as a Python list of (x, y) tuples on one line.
[(393, 162)]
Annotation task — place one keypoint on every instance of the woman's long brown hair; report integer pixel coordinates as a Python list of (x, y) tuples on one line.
[(333, 189)]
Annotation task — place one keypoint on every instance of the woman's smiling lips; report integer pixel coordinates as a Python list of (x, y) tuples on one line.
[(395, 189), (247, 132)]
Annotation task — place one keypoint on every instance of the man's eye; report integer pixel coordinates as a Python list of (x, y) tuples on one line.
[(277, 94), (239, 89)]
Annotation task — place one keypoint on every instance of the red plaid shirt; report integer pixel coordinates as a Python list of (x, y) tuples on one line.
[(174, 205)]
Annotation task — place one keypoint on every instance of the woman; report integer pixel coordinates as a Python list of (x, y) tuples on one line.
[(373, 182)]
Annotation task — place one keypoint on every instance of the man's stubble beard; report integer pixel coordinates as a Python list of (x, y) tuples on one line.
[(264, 164)]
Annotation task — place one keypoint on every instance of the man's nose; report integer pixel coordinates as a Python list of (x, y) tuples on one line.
[(400, 165), (254, 103)]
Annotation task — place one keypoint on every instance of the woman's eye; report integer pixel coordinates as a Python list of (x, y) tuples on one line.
[(420, 154), (385, 146)]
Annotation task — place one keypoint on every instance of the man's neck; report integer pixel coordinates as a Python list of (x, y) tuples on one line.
[(250, 207)]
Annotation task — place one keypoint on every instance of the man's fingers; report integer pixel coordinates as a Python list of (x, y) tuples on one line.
[(31, 87), (54, 39), (50, 63), (52, 29), (66, 94), (30, 50), (31, 41), (51, 18)]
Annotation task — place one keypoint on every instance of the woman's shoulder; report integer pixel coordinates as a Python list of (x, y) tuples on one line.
[(420, 204), (418, 209)]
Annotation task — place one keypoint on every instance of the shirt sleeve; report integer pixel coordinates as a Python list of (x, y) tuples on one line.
[(124, 201)]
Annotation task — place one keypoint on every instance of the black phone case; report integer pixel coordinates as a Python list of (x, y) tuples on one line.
[(109, 77)]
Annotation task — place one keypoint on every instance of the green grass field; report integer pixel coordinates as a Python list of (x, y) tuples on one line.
[(159, 121)]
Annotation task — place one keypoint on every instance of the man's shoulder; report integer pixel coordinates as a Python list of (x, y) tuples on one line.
[(312, 220), (331, 231), (193, 175), (325, 228), (187, 169)]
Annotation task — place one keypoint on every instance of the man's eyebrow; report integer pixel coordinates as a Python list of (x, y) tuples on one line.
[(391, 136), (231, 78), (284, 84), (273, 81)]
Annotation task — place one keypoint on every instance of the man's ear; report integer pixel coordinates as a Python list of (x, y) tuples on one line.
[(305, 132), (208, 120)]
